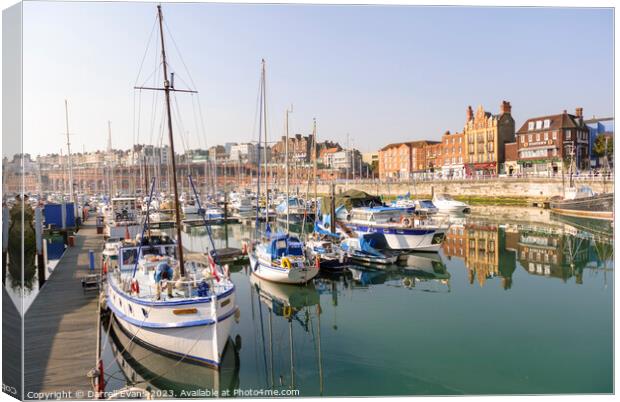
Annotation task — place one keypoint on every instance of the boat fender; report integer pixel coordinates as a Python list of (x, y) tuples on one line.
[(317, 261), (135, 286), (405, 221), (285, 263), (105, 267), (288, 310)]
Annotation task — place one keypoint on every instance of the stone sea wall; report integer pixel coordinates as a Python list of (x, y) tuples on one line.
[(532, 189)]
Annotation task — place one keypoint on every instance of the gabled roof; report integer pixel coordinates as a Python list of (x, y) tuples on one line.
[(557, 121)]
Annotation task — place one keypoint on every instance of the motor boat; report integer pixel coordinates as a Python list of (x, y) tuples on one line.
[(445, 203)]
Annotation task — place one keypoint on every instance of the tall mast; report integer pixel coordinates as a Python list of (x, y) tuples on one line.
[(71, 195), (316, 206), (177, 210), (264, 93), (286, 172)]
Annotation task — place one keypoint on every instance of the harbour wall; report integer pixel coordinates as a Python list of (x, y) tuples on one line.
[(530, 189)]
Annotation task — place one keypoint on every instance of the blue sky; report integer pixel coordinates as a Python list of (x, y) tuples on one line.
[(380, 73)]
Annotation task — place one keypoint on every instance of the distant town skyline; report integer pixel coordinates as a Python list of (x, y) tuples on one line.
[(380, 73)]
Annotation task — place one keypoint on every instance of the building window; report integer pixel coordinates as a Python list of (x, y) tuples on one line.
[(546, 135), (523, 139), (555, 135), (567, 135), (529, 138), (539, 124), (530, 126), (547, 123), (537, 136)]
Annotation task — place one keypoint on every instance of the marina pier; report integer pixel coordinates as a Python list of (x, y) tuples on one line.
[(61, 325)]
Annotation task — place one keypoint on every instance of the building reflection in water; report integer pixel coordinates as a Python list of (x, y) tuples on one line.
[(485, 250), (562, 251)]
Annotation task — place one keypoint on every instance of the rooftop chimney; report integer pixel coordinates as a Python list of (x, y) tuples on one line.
[(470, 113), (579, 112), (505, 107)]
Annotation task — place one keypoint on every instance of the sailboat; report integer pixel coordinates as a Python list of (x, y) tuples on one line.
[(280, 257), (175, 304)]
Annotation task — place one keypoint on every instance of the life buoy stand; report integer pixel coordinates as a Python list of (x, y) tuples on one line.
[(285, 263)]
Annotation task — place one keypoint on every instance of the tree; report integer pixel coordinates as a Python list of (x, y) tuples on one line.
[(599, 145)]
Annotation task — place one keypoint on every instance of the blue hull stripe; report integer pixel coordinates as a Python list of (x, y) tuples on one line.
[(384, 230), (166, 303), (185, 324)]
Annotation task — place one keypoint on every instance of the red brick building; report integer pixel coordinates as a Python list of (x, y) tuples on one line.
[(402, 159), (453, 155), (544, 142)]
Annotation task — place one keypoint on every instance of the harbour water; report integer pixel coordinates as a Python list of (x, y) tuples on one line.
[(506, 307)]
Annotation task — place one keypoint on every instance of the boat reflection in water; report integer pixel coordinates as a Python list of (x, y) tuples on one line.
[(421, 271), (286, 304), (164, 376)]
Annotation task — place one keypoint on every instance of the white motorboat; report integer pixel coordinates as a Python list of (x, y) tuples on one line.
[(445, 203), (399, 227)]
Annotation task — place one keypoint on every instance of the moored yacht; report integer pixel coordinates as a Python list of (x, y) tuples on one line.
[(445, 203), (176, 304), (400, 228), (282, 259)]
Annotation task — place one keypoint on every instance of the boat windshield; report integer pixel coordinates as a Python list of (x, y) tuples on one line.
[(427, 204)]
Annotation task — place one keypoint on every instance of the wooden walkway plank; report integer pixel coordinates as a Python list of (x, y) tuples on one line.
[(60, 325)]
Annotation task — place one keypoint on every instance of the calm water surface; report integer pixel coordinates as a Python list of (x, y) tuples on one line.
[(506, 307)]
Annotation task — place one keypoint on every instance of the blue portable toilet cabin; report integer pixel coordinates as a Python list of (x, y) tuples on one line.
[(53, 215)]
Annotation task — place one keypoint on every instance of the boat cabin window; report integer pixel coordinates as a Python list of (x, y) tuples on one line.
[(426, 204), (129, 256)]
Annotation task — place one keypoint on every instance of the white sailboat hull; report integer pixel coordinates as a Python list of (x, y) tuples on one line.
[(178, 328), (282, 275)]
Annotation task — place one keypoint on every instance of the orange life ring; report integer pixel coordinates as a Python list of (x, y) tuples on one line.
[(405, 221)]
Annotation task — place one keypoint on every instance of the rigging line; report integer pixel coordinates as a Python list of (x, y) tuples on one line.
[(137, 134), (195, 115), (256, 115), (155, 94), (179, 122), (202, 121), (180, 55), (155, 70), (154, 98), (133, 126), (148, 44)]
